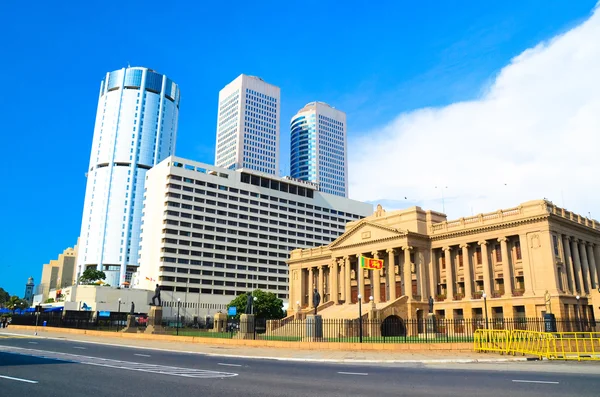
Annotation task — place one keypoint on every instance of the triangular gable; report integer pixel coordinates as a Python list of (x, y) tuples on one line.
[(364, 232)]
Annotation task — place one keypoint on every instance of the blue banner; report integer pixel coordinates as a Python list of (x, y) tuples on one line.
[(232, 311)]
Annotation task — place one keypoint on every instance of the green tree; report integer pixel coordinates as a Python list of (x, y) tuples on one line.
[(15, 303), (266, 305), (91, 275), (4, 297)]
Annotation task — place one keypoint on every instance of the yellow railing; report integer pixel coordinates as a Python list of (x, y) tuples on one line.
[(550, 345), (491, 340)]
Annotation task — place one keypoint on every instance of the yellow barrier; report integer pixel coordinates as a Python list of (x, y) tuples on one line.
[(531, 342), (491, 340), (576, 346), (550, 345)]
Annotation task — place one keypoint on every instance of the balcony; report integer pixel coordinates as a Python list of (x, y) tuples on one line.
[(497, 294), (417, 297), (477, 295), (440, 297), (518, 292), (458, 297)]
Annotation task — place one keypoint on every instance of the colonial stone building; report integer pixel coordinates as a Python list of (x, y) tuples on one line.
[(513, 256)]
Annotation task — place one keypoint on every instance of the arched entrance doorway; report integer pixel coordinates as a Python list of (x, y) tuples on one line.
[(393, 326)]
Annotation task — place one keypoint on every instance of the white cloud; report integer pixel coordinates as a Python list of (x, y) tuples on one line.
[(535, 133)]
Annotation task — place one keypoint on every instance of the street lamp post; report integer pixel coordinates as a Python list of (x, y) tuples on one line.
[(484, 295), (578, 315), (178, 305), (119, 318), (359, 318)]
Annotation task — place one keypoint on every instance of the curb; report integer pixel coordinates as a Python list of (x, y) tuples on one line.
[(295, 359)]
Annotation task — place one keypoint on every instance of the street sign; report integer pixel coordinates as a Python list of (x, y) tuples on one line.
[(103, 314), (232, 311)]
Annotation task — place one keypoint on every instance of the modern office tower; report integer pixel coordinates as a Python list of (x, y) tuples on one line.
[(58, 273), (318, 148), (136, 128), (210, 234), (29, 290), (248, 126)]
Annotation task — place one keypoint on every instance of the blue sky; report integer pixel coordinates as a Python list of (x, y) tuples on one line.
[(374, 62)]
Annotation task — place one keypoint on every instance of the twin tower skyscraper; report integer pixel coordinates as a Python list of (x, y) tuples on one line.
[(136, 128), (248, 135)]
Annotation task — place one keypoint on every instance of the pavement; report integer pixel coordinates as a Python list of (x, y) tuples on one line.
[(274, 353), (48, 366)]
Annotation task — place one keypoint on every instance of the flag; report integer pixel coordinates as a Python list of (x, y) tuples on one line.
[(369, 263)]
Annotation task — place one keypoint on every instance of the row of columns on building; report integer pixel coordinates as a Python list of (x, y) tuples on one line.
[(582, 261), (343, 267), (582, 265)]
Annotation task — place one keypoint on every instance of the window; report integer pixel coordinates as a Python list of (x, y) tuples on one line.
[(498, 253), (478, 255), (518, 249), (555, 242)]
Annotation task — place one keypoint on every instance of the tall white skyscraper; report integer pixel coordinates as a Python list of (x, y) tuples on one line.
[(248, 125), (136, 128), (319, 148)]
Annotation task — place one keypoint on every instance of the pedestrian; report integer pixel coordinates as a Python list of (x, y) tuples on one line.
[(4, 322)]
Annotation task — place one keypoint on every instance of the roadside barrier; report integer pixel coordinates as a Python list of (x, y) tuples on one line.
[(550, 345)]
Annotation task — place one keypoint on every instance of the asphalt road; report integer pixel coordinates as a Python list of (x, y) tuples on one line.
[(43, 367)]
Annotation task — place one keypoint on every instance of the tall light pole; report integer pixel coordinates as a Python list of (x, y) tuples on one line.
[(578, 314), (178, 305), (484, 296), (119, 318), (359, 318), (442, 190)]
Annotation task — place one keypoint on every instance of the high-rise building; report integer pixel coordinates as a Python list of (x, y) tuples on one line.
[(136, 127), (210, 234), (29, 290), (58, 273), (248, 126), (318, 148)]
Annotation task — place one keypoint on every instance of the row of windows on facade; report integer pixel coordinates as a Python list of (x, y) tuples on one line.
[(276, 266), (253, 113), (262, 276), (259, 96), (211, 237), (207, 291), (229, 265), (260, 181), (195, 305), (217, 283)]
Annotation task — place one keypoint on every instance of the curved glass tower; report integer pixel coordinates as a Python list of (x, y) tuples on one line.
[(318, 148), (136, 127)]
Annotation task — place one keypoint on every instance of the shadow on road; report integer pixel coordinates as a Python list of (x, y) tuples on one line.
[(9, 360)]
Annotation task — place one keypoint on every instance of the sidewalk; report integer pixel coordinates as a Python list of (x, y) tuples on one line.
[(271, 353)]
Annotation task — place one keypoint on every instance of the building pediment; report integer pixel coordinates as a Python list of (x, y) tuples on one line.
[(366, 232)]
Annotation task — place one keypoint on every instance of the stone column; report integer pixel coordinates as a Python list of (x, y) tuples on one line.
[(311, 286), (391, 274), (576, 259), (571, 286), (596, 250), (376, 288), (586, 268), (406, 274), (360, 274), (421, 278), (485, 263), (333, 281), (449, 274), (467, 271), (593, 269), (506, 270), (433, 273), (347, 281), (321, 284)]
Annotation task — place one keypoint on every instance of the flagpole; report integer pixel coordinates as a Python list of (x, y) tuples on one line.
[(360, 274)]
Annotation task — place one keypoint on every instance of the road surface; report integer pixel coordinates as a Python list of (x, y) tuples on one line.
[(31, 366)]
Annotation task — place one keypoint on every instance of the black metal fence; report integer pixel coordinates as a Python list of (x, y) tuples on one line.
[(393, 329)]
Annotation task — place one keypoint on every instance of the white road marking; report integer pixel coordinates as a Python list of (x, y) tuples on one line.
[(79, 347), (230, 365), (18, 379), (535, 381), (142, 355), (353, 373), (33, 343), (127, 365)]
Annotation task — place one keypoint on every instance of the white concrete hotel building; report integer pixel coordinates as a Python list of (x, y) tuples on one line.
[(318, 147), (136, 128), (248, 125), (210, 234)]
